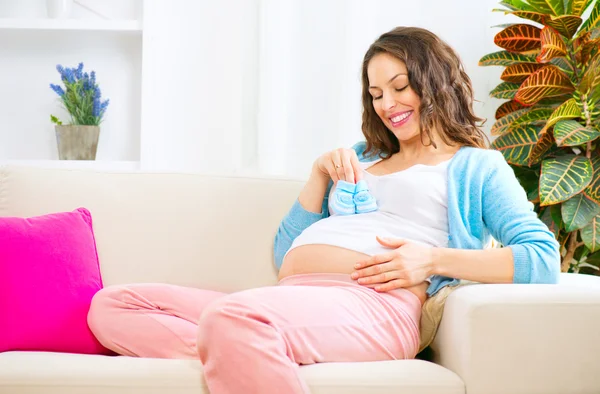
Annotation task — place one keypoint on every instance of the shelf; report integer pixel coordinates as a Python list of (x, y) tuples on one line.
[(102, 165), (71, 24)]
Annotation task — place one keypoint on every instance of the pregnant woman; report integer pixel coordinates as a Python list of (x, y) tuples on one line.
[(376, 230)]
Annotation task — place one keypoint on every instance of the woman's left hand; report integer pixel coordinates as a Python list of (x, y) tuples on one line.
[(409, 264)]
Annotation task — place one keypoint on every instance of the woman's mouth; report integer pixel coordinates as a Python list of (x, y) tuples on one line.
[(400, 118)]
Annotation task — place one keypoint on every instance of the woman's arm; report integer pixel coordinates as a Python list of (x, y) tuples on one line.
[(485, 266), (307, 210), (530, 253), (311, 205), (312, 195)]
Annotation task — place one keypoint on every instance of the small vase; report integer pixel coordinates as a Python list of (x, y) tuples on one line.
[(77, 142), (59, 9)]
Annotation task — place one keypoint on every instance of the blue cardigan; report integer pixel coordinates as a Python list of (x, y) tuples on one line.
[(485, 200)]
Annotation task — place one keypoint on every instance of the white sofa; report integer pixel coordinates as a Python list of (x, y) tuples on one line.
[(217, 232)]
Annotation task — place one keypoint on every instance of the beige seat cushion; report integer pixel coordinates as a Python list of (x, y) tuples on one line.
[(432, 312), (55, 373)]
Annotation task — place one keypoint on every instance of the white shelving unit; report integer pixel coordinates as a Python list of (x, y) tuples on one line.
[(134, 26), (107, 36), (103, 165)]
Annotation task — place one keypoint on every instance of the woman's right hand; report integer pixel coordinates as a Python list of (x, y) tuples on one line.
[(338, 164)]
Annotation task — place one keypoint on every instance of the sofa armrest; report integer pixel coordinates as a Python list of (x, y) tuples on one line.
[(519, 338)]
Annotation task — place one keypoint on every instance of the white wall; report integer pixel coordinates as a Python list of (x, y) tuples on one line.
[(320, 107), (28, 60), (271, 94), (232, 86), (200, 83)]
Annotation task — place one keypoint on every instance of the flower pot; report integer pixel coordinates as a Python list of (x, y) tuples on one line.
[(77, 142)]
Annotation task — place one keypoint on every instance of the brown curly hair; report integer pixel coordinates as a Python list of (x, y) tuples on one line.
[(437, 76)]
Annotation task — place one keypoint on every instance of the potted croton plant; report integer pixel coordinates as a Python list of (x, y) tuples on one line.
[(82, 99), (548, 129)]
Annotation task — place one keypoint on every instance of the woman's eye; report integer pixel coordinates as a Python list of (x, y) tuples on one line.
[(397, 90)]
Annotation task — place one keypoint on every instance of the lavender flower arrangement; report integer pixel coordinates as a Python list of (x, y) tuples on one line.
[(81, 96)]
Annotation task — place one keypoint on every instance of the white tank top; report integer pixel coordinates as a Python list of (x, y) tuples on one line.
[(412, 205)]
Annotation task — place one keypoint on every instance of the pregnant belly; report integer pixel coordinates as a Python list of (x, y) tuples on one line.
[(315, 258)]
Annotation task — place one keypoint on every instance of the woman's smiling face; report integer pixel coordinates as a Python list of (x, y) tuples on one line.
[(394, 101)]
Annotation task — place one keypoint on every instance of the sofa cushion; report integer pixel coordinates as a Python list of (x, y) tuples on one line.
[(164, 227), (49, 273), (50, 373)]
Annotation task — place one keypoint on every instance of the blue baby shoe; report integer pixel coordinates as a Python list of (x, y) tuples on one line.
[(342, 200), (363, 200)]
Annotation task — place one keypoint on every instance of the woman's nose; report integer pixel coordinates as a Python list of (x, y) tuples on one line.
[(388, 102)]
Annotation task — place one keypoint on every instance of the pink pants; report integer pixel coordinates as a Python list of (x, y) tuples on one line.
[(253, 341)]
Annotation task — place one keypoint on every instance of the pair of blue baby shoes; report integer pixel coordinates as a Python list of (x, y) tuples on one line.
[(349, 198)]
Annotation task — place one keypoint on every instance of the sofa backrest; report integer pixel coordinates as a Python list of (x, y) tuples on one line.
[(188, 229)]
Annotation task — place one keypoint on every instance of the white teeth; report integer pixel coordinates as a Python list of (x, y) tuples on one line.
[(400, 117)]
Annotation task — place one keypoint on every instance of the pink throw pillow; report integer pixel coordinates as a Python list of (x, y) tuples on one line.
[(49, 272)]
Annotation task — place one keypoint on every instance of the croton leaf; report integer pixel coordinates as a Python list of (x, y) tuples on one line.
[(519, 38), (516, 145), (501, 125), (585, 45), (507, 5), (578, 211), (552, 7), (589, 49), (508, 107), (575, 7), (555, 101), (593, 259), (517, 5), (593, 102), (532, 52), (545, 142), (566, 25), (591, 77), (517, 73), (504, 25), (581, 39), (593, 190), (557, 216), (572, 133), (594, 19), (568, 110), (529, 180), (506, 90), (590, 234), (552, 45), (546, 217), (564, 65), (505, 58), (533, 195), (577, 44), (563, 177), (546, 82), (532, 16), (539, 115)]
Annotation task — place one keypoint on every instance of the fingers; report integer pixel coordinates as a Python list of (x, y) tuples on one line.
[(337, 165), (391, 285), (356, 166), (391, 242), (329, 164), (382, 273), (342, 164), (378, 274), (375, 260), (347, 166)]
